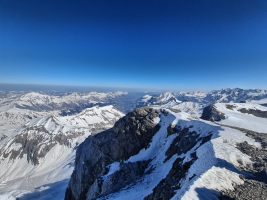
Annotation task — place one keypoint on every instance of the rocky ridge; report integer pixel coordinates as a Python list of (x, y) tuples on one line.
[(128, 136)]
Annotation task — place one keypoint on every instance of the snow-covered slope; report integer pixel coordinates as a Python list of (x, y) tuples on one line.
[(42, 151), (192, 108), (248, 116), (259, 101), (186, 158)]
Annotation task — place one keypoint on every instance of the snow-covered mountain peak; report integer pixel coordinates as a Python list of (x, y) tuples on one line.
[(167, 97), (93, 117), (31, 95), (199, 94)]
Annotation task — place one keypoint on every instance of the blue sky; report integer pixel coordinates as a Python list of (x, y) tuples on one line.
[(182, 44)]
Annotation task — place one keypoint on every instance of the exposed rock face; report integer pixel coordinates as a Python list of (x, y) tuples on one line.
[(255, 179), (166, 188), (103, 169), (127, 174), (128, 136), (212, 114), (258, 155), (181, 144), (100, 170), (257, 113), (249, 190), (35, 142)]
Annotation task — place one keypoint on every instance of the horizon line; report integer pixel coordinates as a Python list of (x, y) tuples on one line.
[(144, 89)]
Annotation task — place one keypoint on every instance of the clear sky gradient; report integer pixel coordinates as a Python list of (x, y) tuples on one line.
[(181, 44)]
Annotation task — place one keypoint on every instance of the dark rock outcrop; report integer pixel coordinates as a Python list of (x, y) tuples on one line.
[(35, 142), (258, 155), (166, 188), (127, 174), (181, 144), (212, 114), (257, 113), (128, 136), (255, 175), (249, 190)]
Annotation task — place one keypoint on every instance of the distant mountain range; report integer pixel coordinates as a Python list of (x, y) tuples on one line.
[(235, 95), (126, 145)]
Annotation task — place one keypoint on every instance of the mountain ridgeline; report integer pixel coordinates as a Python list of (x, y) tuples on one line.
[(126, 145)]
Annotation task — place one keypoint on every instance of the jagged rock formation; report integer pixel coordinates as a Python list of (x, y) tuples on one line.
[(212, 114), (181, 145), (102, 168), (173, 161), (255, 176), (129, 135)]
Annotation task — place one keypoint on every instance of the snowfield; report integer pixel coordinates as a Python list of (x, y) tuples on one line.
[(234, 117)]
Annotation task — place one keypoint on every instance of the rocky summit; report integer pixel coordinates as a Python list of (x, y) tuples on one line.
[(128, 136), (154, 153)]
